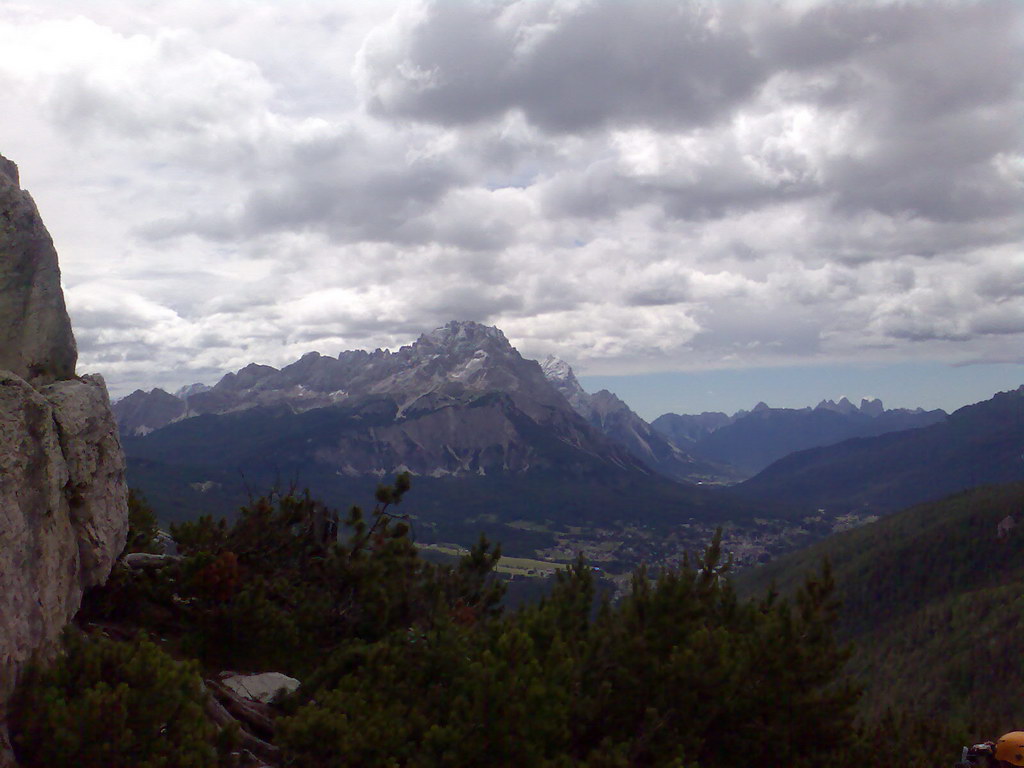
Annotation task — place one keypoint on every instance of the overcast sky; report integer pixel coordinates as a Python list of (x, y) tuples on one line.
[(683, 196)]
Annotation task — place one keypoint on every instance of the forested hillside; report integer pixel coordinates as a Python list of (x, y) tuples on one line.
[(765, 435), (978, 444), (932, 603), (407, 663)]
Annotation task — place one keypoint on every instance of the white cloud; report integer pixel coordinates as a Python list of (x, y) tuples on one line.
[(631, 186)]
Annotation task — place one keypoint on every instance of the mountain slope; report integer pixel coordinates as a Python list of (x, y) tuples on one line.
[(561, 497), (686, 429), (931, 601), (978, 444), (766, 435), (751, 441), (141, 412), (618, 422)]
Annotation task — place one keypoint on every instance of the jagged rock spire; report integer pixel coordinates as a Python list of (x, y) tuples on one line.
[(36, 342)]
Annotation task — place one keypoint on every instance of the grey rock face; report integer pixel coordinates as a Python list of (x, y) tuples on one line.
[(873, 407), (36, 342), (63, 509), (63, 497), (98, 496), (454, 359), (561, 376)]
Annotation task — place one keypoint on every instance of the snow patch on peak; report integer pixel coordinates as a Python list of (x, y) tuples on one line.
[(472, 365), (559, 374), (557, 370)]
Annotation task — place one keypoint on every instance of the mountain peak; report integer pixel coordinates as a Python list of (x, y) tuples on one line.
[(557, 370), (844, 406), (605, 402), (461, 335), (560, 374), (871, 406)]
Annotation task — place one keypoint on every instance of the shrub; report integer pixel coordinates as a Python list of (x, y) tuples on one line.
[(142, 527), (679, 672), (107, 704)]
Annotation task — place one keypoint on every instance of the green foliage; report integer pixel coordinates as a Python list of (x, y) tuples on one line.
[(105, 703), (142, 528), (277, 588), (898, 740), (448, 696), (933, 611), (677, 673), (413, 664)]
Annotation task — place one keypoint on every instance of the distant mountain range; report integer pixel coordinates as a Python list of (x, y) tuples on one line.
[(444, 372), (490, 435), (978, 444), (485, 432), (460, 400), (752, 440)]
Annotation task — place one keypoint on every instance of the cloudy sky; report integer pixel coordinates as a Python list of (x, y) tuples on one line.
[(698, 204)]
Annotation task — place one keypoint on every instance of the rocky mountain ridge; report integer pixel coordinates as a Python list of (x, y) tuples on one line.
[(459, 356), (493, 447), (689, 428), (453, 365), (458, 400)]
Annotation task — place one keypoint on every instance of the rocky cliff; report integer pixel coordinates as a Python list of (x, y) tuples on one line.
[(36, 342), (63, 497)]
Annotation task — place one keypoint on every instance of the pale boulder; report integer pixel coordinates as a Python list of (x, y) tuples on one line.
[(263, 687)]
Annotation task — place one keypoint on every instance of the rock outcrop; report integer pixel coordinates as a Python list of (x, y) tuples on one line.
[(36, 342), (63, 497)]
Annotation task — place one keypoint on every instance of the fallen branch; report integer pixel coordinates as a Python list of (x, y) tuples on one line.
[(253, 713), (261, 749)]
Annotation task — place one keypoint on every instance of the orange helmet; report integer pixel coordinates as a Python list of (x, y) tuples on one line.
[(1011, 748)]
